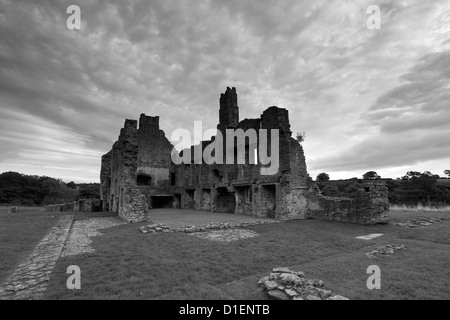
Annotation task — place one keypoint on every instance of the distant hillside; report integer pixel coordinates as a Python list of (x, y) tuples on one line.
[(20, 189)]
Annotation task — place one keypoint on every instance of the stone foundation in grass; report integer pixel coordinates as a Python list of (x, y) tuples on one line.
[(386, 250), (419, 222), (285, 284), (158, 227)]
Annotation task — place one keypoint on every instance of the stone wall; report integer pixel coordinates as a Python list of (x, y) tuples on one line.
[(154, 151), (366, 204), (153, 160), (138, 174), (124, 196), (229, 110), (82, 205), (242, 188), (105, 180), (60, 207)]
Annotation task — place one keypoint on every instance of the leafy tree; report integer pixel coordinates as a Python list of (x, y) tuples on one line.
[(20, 189), (89, 190), (416, 187), (58, 192), (447, 172), (71, 185), (371, 175), (419, 187), (322, 177), (424, 181)]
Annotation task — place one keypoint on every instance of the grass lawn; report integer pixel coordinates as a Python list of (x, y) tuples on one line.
[(20, 233), (131, 265)]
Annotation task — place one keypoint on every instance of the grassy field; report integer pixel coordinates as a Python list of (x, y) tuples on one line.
[(19, 234), (420, 208), (131, 265)]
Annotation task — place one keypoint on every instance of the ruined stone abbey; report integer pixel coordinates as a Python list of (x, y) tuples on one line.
[(138, 175)]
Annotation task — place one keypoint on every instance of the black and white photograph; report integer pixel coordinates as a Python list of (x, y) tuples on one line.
[(224, 154)]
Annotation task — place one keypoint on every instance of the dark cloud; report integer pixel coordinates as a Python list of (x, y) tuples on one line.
[(412, 120), (65, 94)]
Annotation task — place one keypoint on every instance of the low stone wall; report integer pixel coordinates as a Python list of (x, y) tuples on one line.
[(365, 203), (419, 222), (82, 205), (60, 207), (158, 227)]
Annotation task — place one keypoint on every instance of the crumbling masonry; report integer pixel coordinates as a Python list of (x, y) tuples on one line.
[(138, 174)]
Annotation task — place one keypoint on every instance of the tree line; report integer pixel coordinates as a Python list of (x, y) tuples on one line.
[(413, 188), (29, 190)]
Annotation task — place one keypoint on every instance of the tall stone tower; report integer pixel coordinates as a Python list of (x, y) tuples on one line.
[(229, 110)]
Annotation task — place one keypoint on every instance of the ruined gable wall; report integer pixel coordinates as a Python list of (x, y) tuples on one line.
[(125, 196), (154, 152), (153, 159), (298, 175), (293, 198), (277, 118)]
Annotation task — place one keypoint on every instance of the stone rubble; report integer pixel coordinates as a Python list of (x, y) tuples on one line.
[(386, 250), (285, 284), (158, 227), (419, 222)]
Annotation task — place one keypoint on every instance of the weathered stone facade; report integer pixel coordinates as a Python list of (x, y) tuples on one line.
[(119, 186), (138, 174)]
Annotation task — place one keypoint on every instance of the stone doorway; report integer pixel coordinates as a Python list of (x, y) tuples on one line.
[(226, 201), (244, 199), (162, 202), (177, 200), (269, 200), (206, 200), (189, 199)]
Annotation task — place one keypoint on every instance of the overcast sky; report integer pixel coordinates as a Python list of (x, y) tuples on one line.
[(366, 99)]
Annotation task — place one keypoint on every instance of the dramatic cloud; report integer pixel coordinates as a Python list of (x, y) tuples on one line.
[(367, 99), (412, 120)]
